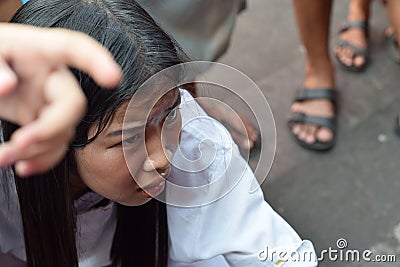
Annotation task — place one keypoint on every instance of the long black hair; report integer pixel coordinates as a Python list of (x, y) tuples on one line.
[(142, 49)]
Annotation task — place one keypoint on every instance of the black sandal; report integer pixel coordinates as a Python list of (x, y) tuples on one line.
[(358, 51), (297, 117)]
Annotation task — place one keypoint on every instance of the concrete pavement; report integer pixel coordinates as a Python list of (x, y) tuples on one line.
[(351, 192)]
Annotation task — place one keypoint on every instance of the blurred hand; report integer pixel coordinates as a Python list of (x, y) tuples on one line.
[(39, 93), (242, 132)]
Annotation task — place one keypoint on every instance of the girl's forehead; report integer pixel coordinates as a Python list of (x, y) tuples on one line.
[(146, 107), (167, 101)]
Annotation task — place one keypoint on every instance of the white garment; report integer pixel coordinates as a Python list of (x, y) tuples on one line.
[(231, 231)]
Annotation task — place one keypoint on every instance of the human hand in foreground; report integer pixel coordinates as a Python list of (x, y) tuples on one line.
[(39, 93)]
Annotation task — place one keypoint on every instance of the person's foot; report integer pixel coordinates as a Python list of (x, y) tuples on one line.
[(242, 132), (353, 39), (307, 132)]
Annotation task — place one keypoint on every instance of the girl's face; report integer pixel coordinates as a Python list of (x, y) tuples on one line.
[(102, 166)]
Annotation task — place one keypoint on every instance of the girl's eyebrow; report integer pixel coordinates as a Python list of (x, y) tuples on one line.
[(125, 131), (140, 127)]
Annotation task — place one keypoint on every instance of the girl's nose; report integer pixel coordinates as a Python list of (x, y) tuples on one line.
[(157, 156), (156, 160)]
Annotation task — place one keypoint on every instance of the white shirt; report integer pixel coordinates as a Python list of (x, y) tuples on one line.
[(222, 223)]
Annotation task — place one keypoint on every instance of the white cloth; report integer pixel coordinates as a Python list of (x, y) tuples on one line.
[(239, 225), (234, 230)]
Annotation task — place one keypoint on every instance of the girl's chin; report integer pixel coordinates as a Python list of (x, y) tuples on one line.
[(141, 195), (138, 201)]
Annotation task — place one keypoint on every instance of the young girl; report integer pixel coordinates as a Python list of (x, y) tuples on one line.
[(95, 207)]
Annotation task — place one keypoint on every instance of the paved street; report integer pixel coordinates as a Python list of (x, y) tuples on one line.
[(351, 192)]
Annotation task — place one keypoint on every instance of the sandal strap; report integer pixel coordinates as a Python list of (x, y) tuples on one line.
[(299, 117), (354, 24), (358, 51), (318, 93)]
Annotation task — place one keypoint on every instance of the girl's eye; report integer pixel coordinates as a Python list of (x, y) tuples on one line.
[(131, 140), (171, 116)]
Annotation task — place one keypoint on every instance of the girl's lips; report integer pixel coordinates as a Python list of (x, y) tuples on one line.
[(156, 188), (153, 191)]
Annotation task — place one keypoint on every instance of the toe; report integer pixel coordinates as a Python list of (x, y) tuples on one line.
[(338, 51), (303, 133), (324, 135), (242, 142), (344, 57), (296, 107), (252, 133), (296, 129), (310, 134), (359, 61), (348, 56)]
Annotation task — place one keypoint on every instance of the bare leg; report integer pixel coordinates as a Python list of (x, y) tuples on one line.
[(393, 8), (359, 10), (313, 20)]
